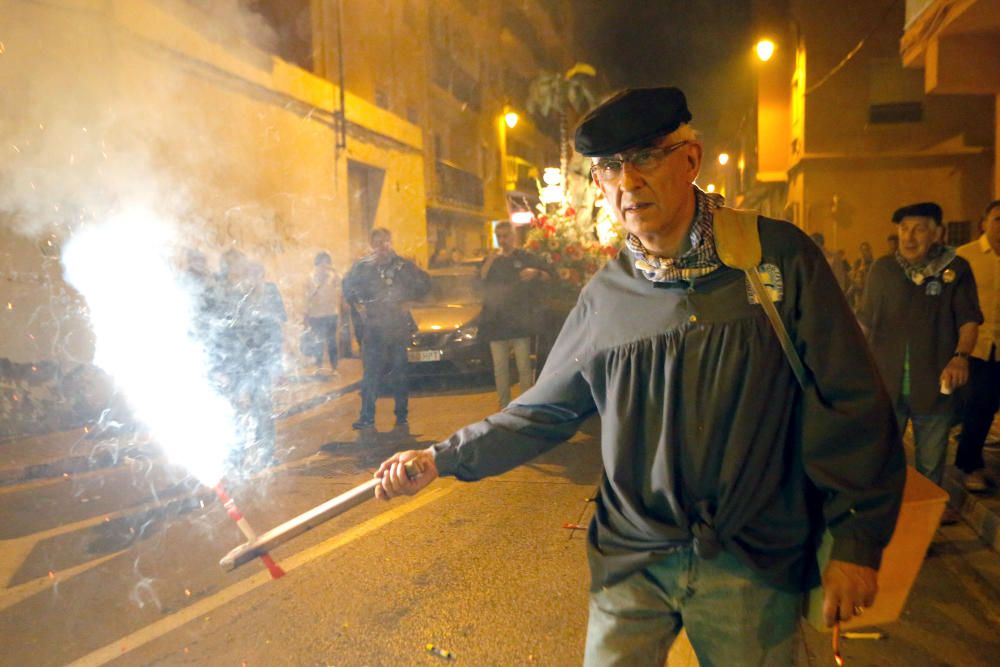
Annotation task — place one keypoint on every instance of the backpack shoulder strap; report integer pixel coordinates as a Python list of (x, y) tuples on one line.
[(737, 241)]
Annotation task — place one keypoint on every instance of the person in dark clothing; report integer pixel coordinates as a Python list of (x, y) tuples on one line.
[(247, 354), (719, 470), (510, 303), (261, 318), (379, 287), (922, 316)]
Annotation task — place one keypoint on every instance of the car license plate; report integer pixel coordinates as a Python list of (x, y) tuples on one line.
[(418, 356)]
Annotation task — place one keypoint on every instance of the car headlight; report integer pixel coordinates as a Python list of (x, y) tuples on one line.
[(465, 335)]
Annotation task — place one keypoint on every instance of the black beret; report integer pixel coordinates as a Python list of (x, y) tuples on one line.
[(629, 118), (926, 209)]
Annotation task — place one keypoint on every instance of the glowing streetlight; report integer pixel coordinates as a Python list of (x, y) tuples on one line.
[(765, 49), (710, 187), (723, 159), (511, 119)]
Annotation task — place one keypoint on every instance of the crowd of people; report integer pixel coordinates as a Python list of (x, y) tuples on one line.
[(930, 313)]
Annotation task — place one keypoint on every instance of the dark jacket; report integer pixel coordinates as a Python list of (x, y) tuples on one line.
[(511, 305), (707, 438), (382, 290), (925, 319)]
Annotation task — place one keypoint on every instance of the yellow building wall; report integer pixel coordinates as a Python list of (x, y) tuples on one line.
[(849, 173), (234, 145), (853, 203)]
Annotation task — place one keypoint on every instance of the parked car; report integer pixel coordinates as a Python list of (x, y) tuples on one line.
[(447, 338)]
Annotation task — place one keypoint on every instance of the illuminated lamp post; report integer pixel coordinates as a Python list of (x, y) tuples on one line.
[(507, 121)]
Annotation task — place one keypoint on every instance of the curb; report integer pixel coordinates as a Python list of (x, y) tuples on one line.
[(112, 457), (319, 400), (975, 511)]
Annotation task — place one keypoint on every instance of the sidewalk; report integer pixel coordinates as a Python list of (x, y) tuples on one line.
[(980, 510), (69, 452)]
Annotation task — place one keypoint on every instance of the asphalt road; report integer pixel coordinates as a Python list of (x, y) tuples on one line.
[(485, 571)]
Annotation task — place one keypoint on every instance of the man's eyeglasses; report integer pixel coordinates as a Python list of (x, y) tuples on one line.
[(609, 169)]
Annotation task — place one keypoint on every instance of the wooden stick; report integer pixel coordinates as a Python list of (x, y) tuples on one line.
[(306, 521)]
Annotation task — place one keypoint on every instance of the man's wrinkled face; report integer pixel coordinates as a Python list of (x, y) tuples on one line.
[(648, 194), (991, 227), (382, 246), (916, 236)]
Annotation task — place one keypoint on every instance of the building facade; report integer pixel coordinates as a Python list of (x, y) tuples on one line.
[(845, 134), (956, 43), (173, 107), (454, 68)]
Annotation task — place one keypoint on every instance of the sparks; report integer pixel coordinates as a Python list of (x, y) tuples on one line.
[(135, 304)]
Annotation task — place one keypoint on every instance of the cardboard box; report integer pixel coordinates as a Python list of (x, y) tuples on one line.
[(919, 517)]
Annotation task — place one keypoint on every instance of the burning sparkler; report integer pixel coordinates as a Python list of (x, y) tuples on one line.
[(142, 319)]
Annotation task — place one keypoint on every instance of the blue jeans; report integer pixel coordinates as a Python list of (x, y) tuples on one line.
[(930, 439), (732, 616)]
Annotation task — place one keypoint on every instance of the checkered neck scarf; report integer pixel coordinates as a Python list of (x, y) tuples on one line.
[(938, 257), (700, 260)]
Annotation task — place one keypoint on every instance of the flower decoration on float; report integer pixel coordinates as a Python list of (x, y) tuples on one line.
[(567, 239)]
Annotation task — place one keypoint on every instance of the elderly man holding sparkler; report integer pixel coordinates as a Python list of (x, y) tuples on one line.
[(723, 458)]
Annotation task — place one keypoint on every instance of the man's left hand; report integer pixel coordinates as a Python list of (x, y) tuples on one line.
[(956, 373), (848, 589)]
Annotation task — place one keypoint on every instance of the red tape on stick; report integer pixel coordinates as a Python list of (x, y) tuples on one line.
[(272, 567), (234, 513)]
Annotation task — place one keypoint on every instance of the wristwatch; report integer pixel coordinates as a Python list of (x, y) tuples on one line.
[(961, 355)]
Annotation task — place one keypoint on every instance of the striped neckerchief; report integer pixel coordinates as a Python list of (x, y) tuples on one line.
[(699, 260)]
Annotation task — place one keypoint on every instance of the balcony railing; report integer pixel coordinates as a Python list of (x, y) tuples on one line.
[(458, 185)]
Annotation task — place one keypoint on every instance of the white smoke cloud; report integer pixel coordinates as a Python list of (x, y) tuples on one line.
[(104, 153)]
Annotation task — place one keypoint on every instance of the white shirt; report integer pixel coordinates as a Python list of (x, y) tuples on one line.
[(986, 269), (323, 294)]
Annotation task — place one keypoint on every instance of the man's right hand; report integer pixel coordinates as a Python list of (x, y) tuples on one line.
[(395, 481)]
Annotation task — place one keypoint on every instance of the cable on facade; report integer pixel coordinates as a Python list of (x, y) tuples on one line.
[(853, 52)]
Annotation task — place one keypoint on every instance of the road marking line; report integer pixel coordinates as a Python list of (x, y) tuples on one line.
[(155, 630), (16, 594)]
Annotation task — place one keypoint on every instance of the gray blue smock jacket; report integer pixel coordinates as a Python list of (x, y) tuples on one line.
[(706, 437)]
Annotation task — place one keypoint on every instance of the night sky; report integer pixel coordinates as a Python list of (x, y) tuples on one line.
[(702, 46)]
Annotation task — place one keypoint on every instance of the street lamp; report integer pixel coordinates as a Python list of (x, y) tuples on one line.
[(511, 119), (723, 159), (765, 49)]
